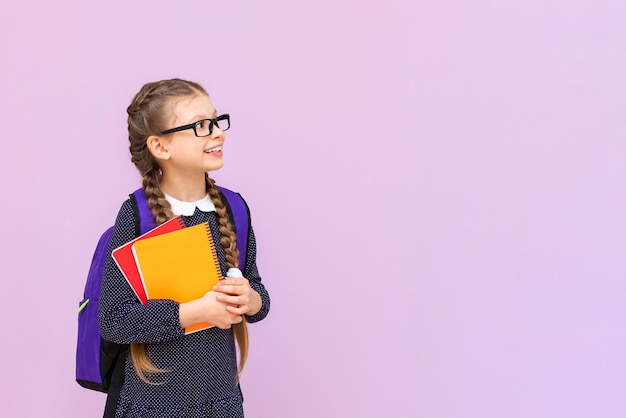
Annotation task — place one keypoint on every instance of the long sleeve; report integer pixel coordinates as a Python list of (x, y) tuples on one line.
[(123, 318), (252, 274)]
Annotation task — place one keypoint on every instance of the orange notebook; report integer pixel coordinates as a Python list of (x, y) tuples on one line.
[(180, 265), (125, 259)]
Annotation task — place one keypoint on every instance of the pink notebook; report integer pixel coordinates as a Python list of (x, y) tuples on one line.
[(125, 259)]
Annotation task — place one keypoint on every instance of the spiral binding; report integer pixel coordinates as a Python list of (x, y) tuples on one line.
[(216, 260)]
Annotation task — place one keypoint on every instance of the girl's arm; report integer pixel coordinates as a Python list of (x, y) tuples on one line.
[(246, 296), (252, 274)]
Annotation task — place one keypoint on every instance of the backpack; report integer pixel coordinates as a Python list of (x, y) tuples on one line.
[(96, 358)]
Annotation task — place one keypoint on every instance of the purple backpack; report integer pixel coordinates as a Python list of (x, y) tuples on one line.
[(95, 357)]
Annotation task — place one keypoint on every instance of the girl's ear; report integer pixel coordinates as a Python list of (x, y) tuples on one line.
[(158, 147)]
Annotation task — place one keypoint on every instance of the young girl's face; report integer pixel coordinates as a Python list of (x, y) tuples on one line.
[(189, 152)]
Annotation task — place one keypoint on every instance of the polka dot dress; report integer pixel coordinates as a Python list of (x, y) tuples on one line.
[(200, 380)]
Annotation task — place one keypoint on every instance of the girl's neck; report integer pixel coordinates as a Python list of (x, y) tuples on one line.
[(184, 189)]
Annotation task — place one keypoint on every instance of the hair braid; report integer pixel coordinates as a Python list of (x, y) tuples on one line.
[(228, 241), (162, 211), (229, 238), (160, 207)]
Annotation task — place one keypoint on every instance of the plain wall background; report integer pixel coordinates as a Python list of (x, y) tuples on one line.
[(437, 190)]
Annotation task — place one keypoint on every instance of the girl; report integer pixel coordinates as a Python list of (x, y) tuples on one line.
[(176, 138)]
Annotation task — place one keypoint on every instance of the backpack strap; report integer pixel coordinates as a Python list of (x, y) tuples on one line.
[(142, 212), (117, 381), (239, 212)]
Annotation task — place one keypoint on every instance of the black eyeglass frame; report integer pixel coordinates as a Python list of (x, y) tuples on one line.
[(212, 122)]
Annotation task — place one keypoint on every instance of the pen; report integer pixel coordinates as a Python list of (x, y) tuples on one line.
[(82, 306)]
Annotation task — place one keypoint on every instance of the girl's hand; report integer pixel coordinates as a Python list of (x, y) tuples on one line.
[(207, 309), (238, 296)]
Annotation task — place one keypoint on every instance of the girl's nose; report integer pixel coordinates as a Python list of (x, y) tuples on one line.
[(217, 132)]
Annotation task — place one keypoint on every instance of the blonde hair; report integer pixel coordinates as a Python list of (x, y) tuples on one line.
[(147, 115)]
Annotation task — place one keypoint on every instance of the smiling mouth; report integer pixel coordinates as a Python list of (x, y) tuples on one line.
[(215, 149)]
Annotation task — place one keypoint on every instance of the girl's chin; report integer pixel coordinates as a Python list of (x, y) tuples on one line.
[(215, 165)]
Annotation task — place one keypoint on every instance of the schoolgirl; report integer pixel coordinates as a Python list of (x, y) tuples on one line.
[(176, 138)]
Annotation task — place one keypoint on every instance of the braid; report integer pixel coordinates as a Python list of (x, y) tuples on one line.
[(162, 211), (229, 238), (229, 243), (141, 99), (160, 207)]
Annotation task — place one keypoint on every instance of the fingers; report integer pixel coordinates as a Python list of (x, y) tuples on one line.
[(235, 281), (241, 297), (218, 312), (233, 289), (234, 286), (238, 305), (227, 318), (233, 299), (238, 310), (232, 319)]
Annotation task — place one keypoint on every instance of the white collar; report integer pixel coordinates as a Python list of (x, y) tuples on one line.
[(188, 208)]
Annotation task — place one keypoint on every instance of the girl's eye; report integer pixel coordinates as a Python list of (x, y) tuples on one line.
[(203, 127)]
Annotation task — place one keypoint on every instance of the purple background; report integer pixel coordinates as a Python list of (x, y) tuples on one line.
[(436, 187)]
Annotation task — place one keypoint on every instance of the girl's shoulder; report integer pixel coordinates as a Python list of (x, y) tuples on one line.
[(126, 212)]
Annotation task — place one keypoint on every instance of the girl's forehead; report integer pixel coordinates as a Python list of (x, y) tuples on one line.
[(191, 107)]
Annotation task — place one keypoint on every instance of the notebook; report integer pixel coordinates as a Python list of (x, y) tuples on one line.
[(125, 259), (181, 265)]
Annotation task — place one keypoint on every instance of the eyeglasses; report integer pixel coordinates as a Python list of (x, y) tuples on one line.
[(204, 127)]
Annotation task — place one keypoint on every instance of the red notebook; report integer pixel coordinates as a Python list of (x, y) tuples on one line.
[(125, 259)]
